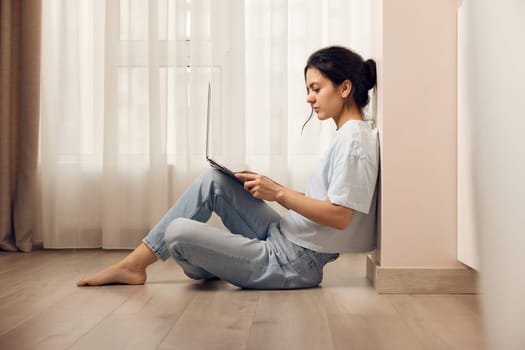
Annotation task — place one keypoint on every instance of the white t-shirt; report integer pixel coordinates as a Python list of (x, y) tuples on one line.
[(346, 176)]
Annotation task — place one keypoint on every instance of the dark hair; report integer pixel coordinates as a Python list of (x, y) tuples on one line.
[(339, 64)]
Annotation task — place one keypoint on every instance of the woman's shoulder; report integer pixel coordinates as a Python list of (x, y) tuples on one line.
[(357, 138)]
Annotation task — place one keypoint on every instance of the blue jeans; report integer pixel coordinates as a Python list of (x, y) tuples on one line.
[(253, 254)]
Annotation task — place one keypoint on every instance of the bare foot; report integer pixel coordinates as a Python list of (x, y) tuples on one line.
[(130, 270), (118, 273)]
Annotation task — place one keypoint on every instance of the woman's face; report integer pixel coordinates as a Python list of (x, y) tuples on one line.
[(326, 99)]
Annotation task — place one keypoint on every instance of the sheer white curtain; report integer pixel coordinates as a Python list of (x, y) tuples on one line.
[(280, 35), (124, 88)]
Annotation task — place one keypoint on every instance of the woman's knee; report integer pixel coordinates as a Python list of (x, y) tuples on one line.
[(178, 237), (179, 230)]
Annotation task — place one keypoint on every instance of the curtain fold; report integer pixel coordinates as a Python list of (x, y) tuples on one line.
[(19, 120), (124, 93)]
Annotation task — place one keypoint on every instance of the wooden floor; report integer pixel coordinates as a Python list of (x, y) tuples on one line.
[(41, 308)]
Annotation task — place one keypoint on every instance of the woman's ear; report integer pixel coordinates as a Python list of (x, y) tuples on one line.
[(345, 88)]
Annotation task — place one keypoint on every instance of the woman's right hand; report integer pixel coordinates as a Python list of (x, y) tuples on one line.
[(260, 186)]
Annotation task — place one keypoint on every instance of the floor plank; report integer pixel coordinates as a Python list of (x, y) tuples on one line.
[(141, 322), (441, 321), (64, 322), (293, 319), (219, 317), (41, 308), (39, 280), (367, 320)]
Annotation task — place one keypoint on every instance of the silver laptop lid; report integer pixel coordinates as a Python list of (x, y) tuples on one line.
[(213, 163)]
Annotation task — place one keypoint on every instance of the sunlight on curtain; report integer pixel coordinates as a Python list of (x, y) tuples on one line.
[(280, 35), (124, 87)]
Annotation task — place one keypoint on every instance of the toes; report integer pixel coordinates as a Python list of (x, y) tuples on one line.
[(81, 283), (114, 276)]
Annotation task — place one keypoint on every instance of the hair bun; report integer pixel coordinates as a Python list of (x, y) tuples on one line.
[(370, 74)]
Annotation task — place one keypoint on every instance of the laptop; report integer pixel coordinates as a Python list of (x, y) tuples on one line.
[(212, 162)]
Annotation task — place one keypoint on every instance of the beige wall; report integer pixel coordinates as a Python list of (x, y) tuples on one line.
[(415, 46)]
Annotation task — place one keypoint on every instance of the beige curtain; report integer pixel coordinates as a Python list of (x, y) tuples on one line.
[(19, 119)]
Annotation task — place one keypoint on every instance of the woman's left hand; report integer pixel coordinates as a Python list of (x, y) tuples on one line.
[(260, 186)]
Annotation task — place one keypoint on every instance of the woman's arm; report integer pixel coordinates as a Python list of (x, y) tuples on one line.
[(319, 211)]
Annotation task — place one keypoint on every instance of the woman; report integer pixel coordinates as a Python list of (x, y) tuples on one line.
[(262, 250)]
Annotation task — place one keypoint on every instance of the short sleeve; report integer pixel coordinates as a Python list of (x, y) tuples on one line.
[(353, 179)]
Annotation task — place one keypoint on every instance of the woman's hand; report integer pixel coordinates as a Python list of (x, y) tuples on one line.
[(260, 186), (320, 211)]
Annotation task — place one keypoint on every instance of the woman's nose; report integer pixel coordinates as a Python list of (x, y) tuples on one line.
[(310, 98)]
